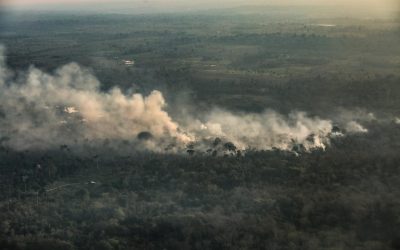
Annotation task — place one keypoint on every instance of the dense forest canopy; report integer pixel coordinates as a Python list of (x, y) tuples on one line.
[(240, 128)]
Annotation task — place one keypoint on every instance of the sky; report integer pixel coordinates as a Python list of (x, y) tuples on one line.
[(210, 2), (168, 5)]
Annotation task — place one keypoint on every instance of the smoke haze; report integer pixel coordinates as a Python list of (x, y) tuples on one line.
[(40, 110), (349, 7)]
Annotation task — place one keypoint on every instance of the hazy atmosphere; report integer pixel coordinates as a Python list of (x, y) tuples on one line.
[(349, 7), (199, 124)]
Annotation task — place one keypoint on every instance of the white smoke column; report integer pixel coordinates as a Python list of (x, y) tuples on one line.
[(355, 127), (267, 130), (48, 110), (36, 111)]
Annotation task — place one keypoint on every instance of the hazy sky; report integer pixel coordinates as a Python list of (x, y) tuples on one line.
[(210, 2), (157, 5)]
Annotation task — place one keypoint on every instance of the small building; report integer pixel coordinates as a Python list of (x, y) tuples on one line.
[(129, 62)]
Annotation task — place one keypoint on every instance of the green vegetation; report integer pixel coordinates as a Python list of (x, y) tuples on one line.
[(236, 60), (108, 197), (343, 198)]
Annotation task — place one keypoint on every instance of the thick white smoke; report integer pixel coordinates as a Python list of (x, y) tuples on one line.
[(355, 127), (46, 110), (41, 110), (267, 130)]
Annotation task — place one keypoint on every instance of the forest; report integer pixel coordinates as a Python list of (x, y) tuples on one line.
[(102, 193)]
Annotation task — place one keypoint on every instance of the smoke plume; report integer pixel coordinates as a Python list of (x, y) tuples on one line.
[(46, 110), (40, 110), (267, 130)]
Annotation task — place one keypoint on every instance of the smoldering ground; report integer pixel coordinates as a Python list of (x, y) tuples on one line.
[(39, 110)]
